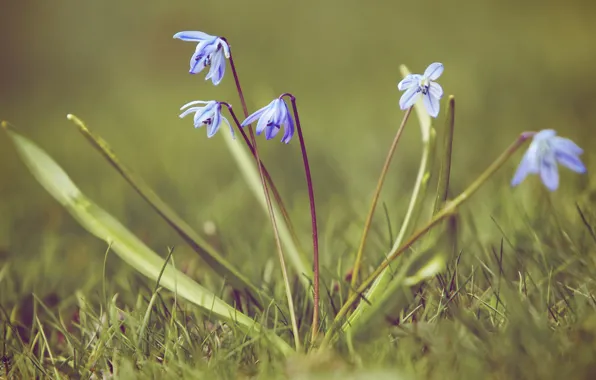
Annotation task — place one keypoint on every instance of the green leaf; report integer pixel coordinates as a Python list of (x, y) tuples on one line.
[(126, 245), (249, 170), (445, 169), (219, 264)]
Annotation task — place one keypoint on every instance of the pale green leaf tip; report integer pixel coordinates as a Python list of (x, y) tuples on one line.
[(7, 126), (404, 70), (76, 120)]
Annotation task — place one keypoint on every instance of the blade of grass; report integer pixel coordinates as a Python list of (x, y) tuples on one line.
[(125, 244), (157, 288), (192, 238)]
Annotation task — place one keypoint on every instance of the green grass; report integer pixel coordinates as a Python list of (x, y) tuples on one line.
[(515, 300)]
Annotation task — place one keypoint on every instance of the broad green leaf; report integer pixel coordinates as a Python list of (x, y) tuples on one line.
[(193, 239), (126, 245), (249, 170)]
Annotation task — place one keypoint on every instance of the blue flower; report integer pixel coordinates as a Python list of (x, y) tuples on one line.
[(545, 150), (271, 118), (211, 51), (416, 84), (209, 114)]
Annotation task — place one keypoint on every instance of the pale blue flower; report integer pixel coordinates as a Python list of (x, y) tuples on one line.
[(271, 118), (211, 51), (545, 151), (416, 84), (208, 114)]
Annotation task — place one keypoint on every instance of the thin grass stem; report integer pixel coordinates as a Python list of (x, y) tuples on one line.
[(373, 206)]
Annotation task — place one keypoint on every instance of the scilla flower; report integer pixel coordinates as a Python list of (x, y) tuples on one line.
[(545, 151), (208, 114), (416, 84), (271, 118), (211, 51)]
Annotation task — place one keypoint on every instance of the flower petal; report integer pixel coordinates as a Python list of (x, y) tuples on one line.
[(566, 145), (230, 126), (408, 99), (433, 71), (189, 111), (218, 68), (192, 36), (436, 90), (193, 103), (279, 112), (215, 123), (225, 46), (271, 131), (545, 134), (289, 125), (254, 116), (409, 81), (549, 173), (570, 161), (526, 166), (431, 104), (264, 120), (204, 113), (197, 64)]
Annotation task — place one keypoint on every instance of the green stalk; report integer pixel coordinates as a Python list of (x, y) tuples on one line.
[(373, 206), (449, 209)]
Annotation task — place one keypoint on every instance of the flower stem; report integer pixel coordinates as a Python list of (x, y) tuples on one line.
[(284, 269), (313, 216), (371, 212), (268, 178), (261, 167), (237, 80), (272, 186), (449, 209)]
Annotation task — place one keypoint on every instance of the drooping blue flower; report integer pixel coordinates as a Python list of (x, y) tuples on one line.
[(211, 51), (545, 151), (416, 84), (271, 118), (208, 114)]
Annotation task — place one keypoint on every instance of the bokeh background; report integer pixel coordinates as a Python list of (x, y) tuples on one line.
[(512, 65)]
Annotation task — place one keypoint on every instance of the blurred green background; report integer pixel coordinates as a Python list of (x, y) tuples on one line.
[(512, 65)]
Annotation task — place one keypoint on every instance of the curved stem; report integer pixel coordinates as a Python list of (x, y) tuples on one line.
[(276, 195), (273, 188), (313, 216), (371, 212), (284, 269), (237, 80), (449, 209)]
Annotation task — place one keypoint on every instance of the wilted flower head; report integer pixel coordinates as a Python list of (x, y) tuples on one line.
[(271, 118), (211, 51), (208, 114), (546, 149), (416, 84)]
